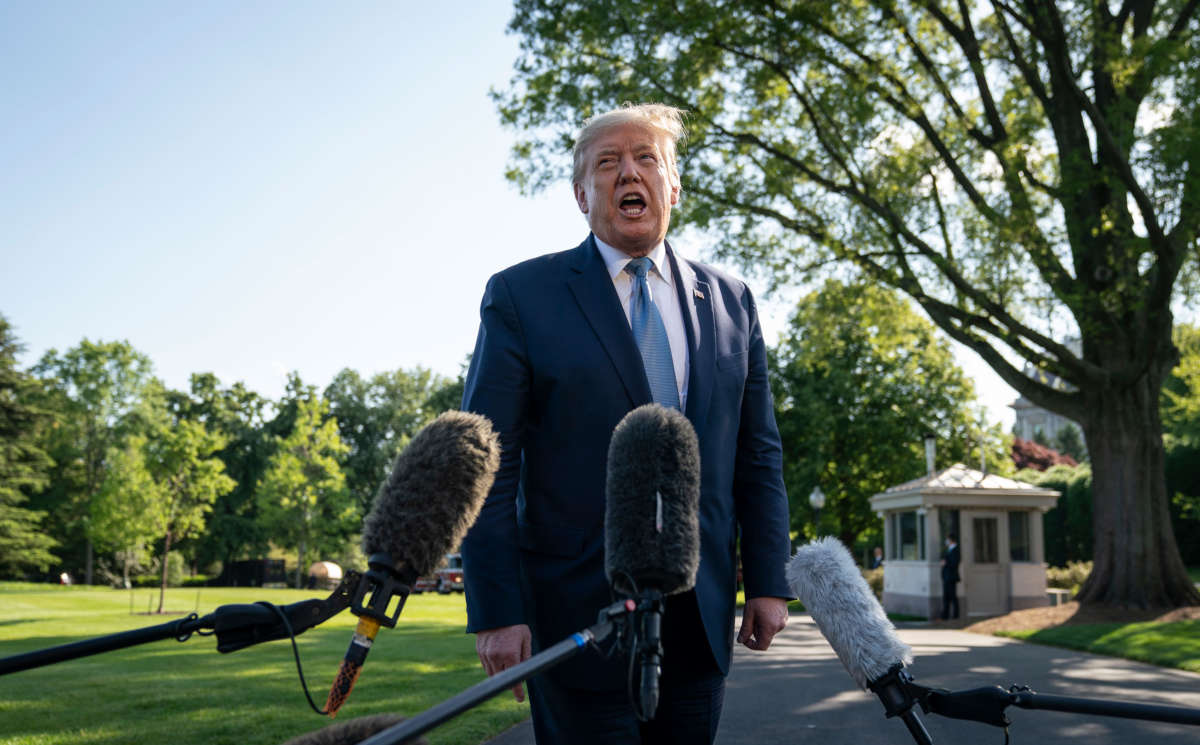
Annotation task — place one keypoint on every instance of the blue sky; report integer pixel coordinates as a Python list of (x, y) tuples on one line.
[(250, 189)]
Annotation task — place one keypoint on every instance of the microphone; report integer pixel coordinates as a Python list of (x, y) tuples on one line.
[(823, 575), (651, 523), (421, 512)]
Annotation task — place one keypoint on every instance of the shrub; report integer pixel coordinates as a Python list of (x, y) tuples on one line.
[(874, 578), (1069, 577), (175, 572), (1029, 454)]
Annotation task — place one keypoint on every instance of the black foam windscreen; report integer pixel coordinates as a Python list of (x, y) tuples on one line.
[(651, 517), (434, 493), (352, 731)]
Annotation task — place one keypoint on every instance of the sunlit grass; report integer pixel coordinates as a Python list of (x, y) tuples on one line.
[(169, 692), (1175, 644)]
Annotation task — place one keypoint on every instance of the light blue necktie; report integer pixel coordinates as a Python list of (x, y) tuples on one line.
[(651, 337)]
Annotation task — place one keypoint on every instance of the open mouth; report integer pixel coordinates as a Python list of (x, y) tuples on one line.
[(633, 205)]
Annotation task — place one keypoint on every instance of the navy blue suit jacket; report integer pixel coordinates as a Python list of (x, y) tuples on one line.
[(556, 368)]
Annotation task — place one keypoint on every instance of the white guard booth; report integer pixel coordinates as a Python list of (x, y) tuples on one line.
[(998, 522)]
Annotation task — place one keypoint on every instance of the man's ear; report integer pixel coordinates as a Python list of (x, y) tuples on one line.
[(580, 197)]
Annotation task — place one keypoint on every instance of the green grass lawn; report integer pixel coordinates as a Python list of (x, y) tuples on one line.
[(172, 692), (1174, 644)]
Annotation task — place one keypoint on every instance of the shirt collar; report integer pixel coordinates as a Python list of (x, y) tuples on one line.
[(615, 259)]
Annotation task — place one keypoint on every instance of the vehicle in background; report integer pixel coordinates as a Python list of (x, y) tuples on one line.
[(446, 579)]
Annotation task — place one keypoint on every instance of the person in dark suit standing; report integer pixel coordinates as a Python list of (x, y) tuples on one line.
[(568, 344), (951, 558)]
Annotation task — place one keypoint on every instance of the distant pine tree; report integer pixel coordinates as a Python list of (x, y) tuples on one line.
[(23, 467), (1070, 442)]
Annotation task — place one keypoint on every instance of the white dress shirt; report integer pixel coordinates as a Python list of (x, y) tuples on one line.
[(662, 293)]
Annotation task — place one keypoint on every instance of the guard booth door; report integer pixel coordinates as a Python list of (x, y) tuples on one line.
[(984, 577)]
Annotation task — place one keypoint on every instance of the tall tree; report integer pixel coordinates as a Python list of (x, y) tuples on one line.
[(180, 457), (859, 378), (1000, 162), (122, 514), (376, 418), (239, 415), (302, 497), (95, 390), (23, 466)]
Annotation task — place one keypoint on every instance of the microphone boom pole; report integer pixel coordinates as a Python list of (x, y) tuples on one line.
[(236, 626), (610, 617)]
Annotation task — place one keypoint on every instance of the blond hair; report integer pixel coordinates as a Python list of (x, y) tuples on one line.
[(665, 121)]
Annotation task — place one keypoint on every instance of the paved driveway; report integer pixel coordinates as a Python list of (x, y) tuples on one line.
[(798, 692)]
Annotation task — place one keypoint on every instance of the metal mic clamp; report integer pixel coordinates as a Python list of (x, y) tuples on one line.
[(895, 691), (382, 582)]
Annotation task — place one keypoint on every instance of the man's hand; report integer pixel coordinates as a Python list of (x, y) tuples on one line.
[(502, 648), (762, 619)]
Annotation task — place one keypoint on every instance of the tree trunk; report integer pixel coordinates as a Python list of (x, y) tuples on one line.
[(87, 572), (162, 588), (1137, 561), (300, 565)]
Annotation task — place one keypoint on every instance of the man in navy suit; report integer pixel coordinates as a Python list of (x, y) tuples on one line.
[(951, 558), (556, 366)]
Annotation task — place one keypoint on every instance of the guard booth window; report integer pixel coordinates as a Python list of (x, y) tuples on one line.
[(1018, 536), (948, 523), (986, 550), (907, 531)]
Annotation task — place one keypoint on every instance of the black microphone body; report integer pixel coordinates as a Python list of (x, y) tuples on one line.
[(650, 650), (652, 525)]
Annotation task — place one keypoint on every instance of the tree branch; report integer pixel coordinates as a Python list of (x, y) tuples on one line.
[(1119, 162), (1027, 69), (965, 37), (1043, 395)]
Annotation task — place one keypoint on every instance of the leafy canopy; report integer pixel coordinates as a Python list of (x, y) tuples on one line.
[(1001, 162), (859, 377)]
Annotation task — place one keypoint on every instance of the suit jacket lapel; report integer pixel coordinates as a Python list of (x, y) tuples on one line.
[(594, 291), (695, 300)]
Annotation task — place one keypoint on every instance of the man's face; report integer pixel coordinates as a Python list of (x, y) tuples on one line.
[(628, 188)]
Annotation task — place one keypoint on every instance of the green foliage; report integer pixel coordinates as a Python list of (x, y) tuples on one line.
[(1015, 169), (179, 458), (1175, 644), (937, 150), (95, 391), (1068, 525), (23, 466), (1068, 441), (121, 512), (858, 379), (874, 578), (1069, 577), (239, 415), (376, 418), (1180, 405), (176, 570), (167, 692), (302, 499)]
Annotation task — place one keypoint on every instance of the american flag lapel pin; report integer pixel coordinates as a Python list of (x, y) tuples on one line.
[(699, 295)]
